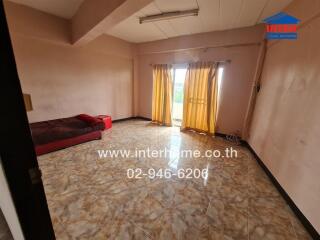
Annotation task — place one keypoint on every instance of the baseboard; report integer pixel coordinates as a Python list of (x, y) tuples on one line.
[(131, 118), (122, 119), (305, 222), (220, 135), (223, 135), (143, 118)]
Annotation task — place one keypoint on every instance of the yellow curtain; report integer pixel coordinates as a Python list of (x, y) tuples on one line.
[(200, 97), (162, 94)]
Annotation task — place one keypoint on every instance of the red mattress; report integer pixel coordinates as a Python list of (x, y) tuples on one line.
[(68, 142), (57, 134)]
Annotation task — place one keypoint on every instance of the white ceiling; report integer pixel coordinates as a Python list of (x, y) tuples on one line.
[(214, 15), (61, 8)]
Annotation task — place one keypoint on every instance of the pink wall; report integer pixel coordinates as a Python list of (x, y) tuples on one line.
[(64, 80), (238, 75), (285, 130)]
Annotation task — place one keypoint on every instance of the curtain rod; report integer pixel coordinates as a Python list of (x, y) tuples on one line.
[(220, 61), (204, 48)]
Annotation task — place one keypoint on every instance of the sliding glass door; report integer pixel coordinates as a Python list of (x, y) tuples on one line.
[(177, 108)]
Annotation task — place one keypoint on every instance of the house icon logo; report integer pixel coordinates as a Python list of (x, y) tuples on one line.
[(281, 26)]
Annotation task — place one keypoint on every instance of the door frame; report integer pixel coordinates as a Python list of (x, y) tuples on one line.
[(17, 152)]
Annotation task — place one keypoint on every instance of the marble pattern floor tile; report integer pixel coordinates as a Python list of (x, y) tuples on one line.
[(92, 198)]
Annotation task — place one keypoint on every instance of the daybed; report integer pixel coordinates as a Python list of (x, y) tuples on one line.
[(57, 134)]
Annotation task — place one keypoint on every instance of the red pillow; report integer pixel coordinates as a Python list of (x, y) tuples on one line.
[(89, 119)]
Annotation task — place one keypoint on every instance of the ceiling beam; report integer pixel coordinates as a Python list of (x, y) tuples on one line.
[(95, 17)]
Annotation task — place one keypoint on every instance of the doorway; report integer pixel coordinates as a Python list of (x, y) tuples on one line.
[(179, 74), (18, 160)]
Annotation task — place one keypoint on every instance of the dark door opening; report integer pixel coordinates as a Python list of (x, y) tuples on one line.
[(16, 148)]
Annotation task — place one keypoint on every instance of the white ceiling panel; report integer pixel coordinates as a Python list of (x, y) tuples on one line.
[(251, 12), (150, 9), (209, 14), (164, 26), (273, 7), (194, 24), (167, 28), (213, 15), (230, 11), (61, 8), (187, 25), (132, 31), (180, 27), (174, 5)]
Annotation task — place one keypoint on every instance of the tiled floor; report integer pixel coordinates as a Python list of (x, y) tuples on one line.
[(92, 198), (5, 233)]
